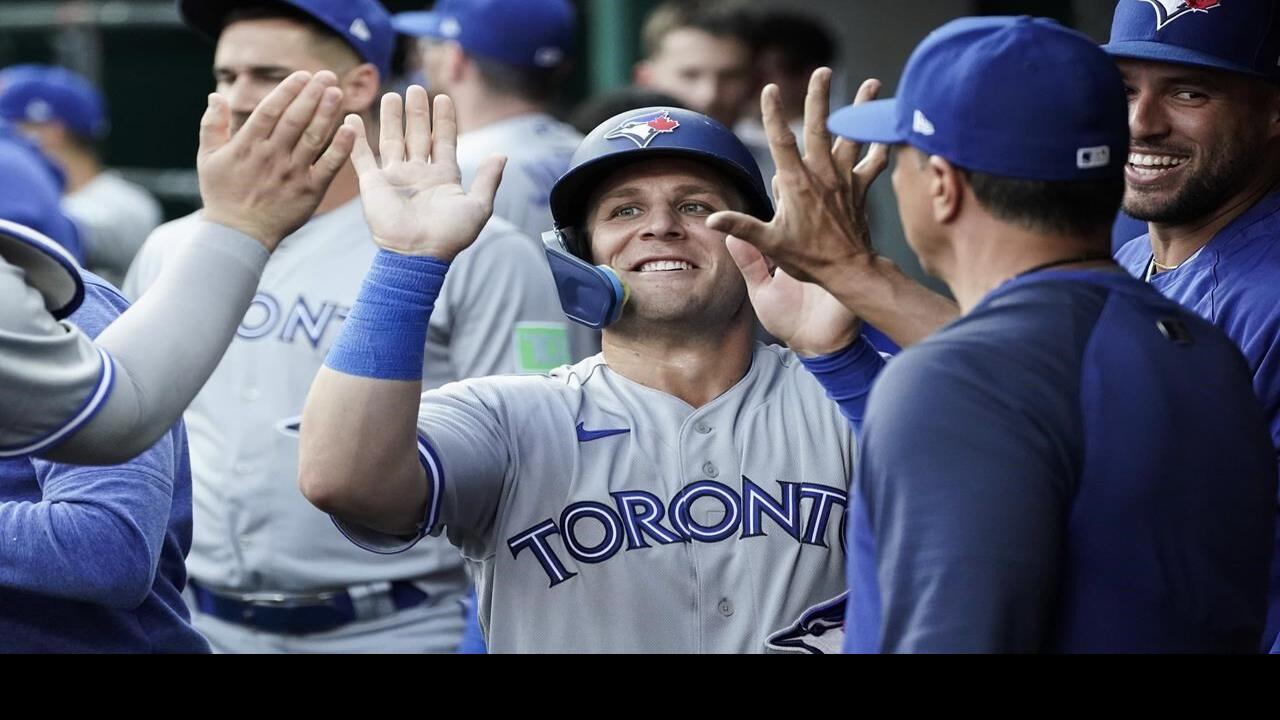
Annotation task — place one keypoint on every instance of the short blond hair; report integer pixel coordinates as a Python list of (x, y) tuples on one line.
[(720, 18)]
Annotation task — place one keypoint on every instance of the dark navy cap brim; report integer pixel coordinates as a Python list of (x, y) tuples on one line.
[(1164, 52), (48, 267), (417, 24), (875, 121)]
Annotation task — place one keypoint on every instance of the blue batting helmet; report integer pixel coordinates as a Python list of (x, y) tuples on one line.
[(595, 295), (647, 133)]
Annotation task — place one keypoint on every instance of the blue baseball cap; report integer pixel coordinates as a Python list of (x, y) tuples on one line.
[(364, 24), (1016, 97), (44, 93), (1241, 36), (523, 33), (35, 234)]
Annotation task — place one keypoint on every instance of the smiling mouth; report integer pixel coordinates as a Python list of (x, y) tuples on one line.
[(664, 266), (1152, 166)]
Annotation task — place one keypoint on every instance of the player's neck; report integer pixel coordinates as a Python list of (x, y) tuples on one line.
[(695, 367), (1173, 243), (986, 258), (478, 108), (79, 168), (342, 190)]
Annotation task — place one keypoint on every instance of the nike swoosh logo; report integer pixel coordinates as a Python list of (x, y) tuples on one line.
[(585, 435)]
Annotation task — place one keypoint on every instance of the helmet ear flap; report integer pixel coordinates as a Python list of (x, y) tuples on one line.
[(592, 295)]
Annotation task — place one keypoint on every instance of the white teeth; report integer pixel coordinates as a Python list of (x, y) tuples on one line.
[(661, 265), (1142, 160)]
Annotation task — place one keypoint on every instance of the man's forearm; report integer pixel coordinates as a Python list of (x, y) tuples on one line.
[(359, 458), (882, 295), (162, 354)]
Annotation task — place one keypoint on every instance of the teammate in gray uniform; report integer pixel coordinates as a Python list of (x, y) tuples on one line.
[(501, 62), (67, 116), (635, 501), (66, 398), (268, 572)]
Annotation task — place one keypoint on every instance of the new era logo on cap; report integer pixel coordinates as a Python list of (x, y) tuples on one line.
[(360, 29), (1093, 157), (39, 110), (450, 27), (921, 124), (548, 57), (1169, 10)]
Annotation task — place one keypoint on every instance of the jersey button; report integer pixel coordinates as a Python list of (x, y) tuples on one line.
[(725, 607), (243, 468), (709, 469), (702, 427), (251, 394)]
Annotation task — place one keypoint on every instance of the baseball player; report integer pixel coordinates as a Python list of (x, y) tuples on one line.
[(1204, 160), (700, 52), (683, 491), (68, 399), (268, 573), (1076, 463), (501, 62), (92, 559), (66, 115)]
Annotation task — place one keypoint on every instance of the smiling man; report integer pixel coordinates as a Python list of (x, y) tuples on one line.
[(1204, 160), (683, 491)]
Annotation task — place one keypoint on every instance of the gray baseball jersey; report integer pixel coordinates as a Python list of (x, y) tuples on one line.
[(600, 515), (114, 216), (254, 531), (52, 377), (538, 148)]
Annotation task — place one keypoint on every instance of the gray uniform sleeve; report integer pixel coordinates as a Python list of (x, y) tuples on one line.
[(463, 446), (167, 344), (51, 375), (506, 316), (965, 493)]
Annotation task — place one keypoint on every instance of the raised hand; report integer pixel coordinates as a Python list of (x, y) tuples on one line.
[(808, 319), (267, 178), (820, 228), (412, 194)]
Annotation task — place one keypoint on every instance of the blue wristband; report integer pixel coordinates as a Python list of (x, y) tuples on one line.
[(385, 331), (847, 376)]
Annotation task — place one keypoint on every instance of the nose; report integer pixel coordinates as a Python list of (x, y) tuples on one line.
[(1147, 117), (702, 94), (662, 223)]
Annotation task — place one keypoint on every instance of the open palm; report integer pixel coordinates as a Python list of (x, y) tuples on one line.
[(412, 194), (804, 316)]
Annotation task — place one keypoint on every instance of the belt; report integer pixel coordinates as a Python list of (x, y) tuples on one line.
[(306, 614)]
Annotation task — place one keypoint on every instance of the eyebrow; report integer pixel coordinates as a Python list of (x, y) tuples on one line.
[(253, 69), (1199, 80), (682, 189)]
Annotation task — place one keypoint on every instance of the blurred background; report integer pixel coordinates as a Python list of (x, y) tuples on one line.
[(155, 72)]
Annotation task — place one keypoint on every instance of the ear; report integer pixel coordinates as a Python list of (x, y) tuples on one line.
[(1273, 108), (947, 187), (361, 88)]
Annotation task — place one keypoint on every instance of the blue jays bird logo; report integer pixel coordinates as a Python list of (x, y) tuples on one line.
[(642, 129), (1169, 10)]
